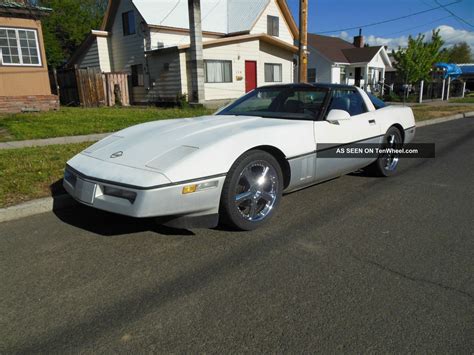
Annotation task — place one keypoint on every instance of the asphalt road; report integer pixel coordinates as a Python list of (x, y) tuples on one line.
[(357, 264)]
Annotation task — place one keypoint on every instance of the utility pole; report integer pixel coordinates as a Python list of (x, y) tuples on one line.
[(196, 62), (303, 49)]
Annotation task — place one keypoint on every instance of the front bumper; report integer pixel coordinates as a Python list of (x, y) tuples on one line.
[(167, 200)]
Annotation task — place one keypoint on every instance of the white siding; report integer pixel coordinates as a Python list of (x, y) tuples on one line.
[(90, 59), (274, 55), (238, 53), (96, 56), (126, 50), (322, 65), (261, 24), (183, 62), (104, 54), (335, 75), (377, 61)]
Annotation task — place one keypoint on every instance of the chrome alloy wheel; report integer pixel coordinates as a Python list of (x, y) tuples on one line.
[(391, 159), (256, 191)]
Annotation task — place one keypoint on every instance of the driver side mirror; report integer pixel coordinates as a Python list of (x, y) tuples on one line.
[(336, 115)]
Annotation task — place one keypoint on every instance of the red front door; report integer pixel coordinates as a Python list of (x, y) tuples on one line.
[(250, 75)]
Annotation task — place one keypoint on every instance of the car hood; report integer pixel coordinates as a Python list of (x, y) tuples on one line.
[(142, 145)]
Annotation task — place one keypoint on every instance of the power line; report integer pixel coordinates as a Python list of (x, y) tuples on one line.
[(413, 28), (391, 20), (170, 12), (453, 14)]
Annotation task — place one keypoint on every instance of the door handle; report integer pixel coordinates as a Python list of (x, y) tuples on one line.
[(372, 122)]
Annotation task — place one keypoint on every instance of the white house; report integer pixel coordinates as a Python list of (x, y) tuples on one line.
[(246, 43), (333, 60)]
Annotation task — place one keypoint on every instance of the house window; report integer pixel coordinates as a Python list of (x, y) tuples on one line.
[(19, 47), (137, 75), (272, 73), (218, 71), (273, 26), (128, 23), (311, 75)]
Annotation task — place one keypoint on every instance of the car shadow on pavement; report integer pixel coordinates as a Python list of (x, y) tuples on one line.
[(111, 224)]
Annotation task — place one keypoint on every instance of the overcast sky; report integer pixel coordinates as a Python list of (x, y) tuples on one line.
[(333, 17)]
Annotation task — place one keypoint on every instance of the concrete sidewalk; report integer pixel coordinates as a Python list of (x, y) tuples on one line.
[(53, 141)]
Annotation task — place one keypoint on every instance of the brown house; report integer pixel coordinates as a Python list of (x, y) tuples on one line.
[(24, 80)]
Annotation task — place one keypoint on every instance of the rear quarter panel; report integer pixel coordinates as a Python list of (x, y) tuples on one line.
[(395, 115)]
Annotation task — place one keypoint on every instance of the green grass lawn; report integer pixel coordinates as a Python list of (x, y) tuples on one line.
[(426, 112), (72, 121), (465, 100), (30, 173)]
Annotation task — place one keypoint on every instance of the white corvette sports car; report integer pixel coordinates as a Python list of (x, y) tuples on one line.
[(235, 165)]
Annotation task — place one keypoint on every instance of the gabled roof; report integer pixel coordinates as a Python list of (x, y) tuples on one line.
[(218, 16), (360, 55), (339, 51), (330, 47)]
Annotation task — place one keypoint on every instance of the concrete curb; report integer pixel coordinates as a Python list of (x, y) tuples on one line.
[(445, 119), (34, 207), (49, 204)]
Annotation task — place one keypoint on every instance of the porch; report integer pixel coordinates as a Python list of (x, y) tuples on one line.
[(368, 77)]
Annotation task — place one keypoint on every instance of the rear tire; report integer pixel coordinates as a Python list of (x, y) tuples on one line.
[(252, 191), (386, 164)]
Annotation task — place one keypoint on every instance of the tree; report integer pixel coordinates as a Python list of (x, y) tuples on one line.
[(459, 53), (68, 25), (415, 62)]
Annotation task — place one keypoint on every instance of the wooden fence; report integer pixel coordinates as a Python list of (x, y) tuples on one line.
[(116, 89), (90, 87)]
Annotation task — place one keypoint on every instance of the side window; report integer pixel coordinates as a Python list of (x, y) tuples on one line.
[(305, 102), (273, 72), (347, 100), (218, 71), (273, 26), (128, 23)]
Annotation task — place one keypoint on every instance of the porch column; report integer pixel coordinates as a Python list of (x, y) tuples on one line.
[(366, 76), (382, 80), (448, 88), (442, 89)]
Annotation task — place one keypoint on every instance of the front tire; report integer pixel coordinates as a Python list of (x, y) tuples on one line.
[(386, 164), (252, 191)]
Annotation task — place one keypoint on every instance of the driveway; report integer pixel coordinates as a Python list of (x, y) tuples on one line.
[(357, 264)]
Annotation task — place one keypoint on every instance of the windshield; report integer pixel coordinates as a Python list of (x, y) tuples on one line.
[(280, 102)]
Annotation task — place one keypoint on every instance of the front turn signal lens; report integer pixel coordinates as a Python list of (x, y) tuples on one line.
[(189, 189)]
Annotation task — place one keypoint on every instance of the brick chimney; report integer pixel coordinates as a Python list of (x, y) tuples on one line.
[(359, 40)]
